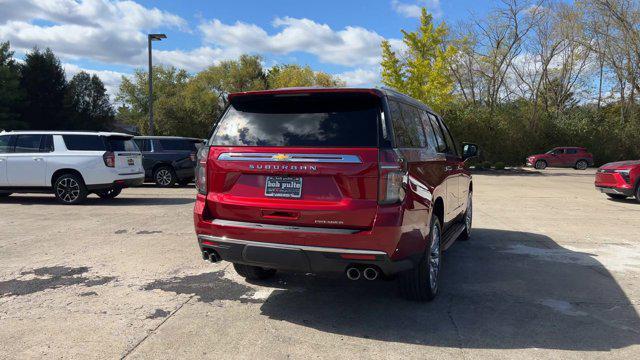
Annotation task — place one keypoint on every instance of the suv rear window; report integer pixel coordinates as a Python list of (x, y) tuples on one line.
[(84, 142), (121, 144), (318, 120), (177, 145)]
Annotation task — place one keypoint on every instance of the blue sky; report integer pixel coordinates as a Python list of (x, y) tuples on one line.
[(108, 37)]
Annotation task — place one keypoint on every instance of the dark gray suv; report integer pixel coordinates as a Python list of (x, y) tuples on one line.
[(168, 160)]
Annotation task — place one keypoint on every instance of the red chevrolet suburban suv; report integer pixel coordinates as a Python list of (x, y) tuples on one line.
[(365, 182), (575, 157), (619, 180)]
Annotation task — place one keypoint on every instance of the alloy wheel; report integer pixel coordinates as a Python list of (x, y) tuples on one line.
[(68, 190), (468, 217), (434, 258), (581, 165), (164, 177)]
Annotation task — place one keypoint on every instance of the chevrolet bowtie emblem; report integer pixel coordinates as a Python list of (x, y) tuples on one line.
[(280, 157)]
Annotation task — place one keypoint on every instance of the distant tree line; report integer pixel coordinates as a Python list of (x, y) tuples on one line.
[(530, 75), (35, 95), (188, 105)]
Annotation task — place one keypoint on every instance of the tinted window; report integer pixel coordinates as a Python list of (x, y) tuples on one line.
[(441, 145), (47, 143), (143, 144), (426, 125), (572, 151), (414, 124), (84, 142), (121, 144), (4, 143), (28, 143), (177, 145), (405, 125), (318, 120), (451, 145)]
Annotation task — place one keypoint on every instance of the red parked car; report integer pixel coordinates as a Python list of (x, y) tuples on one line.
[(575, 157), (619, 180), (364, 182)]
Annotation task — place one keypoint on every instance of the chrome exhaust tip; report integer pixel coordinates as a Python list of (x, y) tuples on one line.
[(214, 257), (370, 273), (353, 273)]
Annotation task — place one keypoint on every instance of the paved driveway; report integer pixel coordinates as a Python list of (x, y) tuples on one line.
[(552, 271)]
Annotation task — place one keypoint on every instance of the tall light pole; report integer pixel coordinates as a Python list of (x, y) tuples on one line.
[(152, 37)]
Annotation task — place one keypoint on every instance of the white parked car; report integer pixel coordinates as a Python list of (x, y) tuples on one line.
[(70, 164)]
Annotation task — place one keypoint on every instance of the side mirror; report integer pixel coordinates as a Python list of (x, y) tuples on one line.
[(469, 151)]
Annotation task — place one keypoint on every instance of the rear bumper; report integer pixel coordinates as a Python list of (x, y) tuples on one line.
[(298, 258), (121, 184), (615, 190)]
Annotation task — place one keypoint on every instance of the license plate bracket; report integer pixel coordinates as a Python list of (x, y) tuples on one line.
[(283, 187)]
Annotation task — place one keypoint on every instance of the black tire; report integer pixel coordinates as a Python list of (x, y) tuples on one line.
[(638, 192), (582, 165), (164, 176), (185, 182), (254, 272), (540, 165), (467, 220), (69, 189), (109, 193), (419, 283)]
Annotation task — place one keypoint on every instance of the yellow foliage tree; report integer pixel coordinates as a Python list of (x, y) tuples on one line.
[(422, 71)]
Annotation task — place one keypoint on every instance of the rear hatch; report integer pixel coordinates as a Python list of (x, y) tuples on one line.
[(302, 159), (128, 159)]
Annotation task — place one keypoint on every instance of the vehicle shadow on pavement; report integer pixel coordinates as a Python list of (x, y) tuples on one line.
[(500, 290), (96, 201)]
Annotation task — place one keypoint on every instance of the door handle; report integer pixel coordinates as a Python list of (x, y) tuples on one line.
[(37, 159)]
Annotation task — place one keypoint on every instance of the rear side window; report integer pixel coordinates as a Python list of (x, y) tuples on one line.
[(4, 144), (316, 120), (28, 143), (572, 151), (143, 144), (84, 142), (121, 144), (426, 125), (177, 145), (406, 126), (441, 146)]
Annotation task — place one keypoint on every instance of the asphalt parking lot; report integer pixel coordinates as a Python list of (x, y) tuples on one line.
[(552, 271)]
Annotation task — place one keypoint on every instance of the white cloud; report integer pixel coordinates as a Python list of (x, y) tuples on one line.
[(413, 10), (111, 79), (361, 77), (350, 46), (108, 31)]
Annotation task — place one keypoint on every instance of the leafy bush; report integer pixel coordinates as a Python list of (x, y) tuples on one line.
[(486, 165), (499, 165), (478, 166)]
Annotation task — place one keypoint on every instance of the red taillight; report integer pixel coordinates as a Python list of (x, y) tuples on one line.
[(201, 170), (392, 174), (109, 159)]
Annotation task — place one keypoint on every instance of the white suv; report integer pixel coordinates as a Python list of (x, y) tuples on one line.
[(70, 164)]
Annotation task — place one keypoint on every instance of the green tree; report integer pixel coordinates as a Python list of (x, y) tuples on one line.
[(89, 105), (423, 71), (170, 117), (43, 81), (282, 76), (11, 94)]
